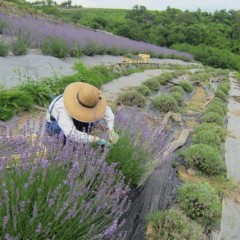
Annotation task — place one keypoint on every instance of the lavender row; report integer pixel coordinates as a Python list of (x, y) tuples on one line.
[(38, 29)]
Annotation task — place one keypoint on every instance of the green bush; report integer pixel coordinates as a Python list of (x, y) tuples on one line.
[(165, 103), (216, 109), (4, 49), (38, 91), (144, 90), (174, 225), (219, 103), (212, 117), (207, 137), (54, 46), (130, 159), (224, 87), (205, 158), (216, 129), (13, 101), (164, 78), (221, 94), (132, 98), (200, 202), (186, 85), (152, 84), (3, 25), (178, 97), (76, 50), (178, 89), (20, 46)]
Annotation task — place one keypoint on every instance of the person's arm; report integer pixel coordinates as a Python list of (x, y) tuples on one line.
[(109, 118), (65, 122)]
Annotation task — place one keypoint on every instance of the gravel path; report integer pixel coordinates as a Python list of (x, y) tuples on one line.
[(230, 225), (34, 65)]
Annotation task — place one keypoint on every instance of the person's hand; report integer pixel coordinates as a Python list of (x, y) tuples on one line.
[(113, 137)]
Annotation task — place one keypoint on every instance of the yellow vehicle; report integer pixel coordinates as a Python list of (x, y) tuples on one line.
[(140, 58)]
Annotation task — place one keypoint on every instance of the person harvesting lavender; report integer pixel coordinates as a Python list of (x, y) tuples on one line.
[(77, 110)]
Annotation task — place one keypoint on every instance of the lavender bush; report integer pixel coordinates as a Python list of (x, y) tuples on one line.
[(91, 42), (56, 191)]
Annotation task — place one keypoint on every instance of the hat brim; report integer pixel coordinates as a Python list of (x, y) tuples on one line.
[(79, 112)]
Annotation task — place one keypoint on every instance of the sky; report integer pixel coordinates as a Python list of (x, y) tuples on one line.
[(204, 5)]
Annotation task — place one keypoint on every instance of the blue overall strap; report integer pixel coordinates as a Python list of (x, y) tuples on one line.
[(55, 100)]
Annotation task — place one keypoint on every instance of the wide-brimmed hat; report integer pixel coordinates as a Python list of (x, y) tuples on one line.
[(84, 102)]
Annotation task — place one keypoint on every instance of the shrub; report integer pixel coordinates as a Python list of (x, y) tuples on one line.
[(216, 109), (224, 87), (76, 50), (54, 46), (219, 104), (13, 101), (132, 98), (178, 97), (4, 49), (174, 225), (152, 84), (20, 46), (165, 103), (144, 90), (56, 191), (205, 158), (164, 78), (129, 157), (3, 25), (212, 117), (216, 129), (207, 137), (221, 94), (186, 85), (178, 89), (200, 202)]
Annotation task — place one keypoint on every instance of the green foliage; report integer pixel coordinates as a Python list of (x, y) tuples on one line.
[(3, 25), (173, 224), (38, 91), (186, 85), (216, 129), (205, 158), (178, 97), (221, 94), (224, 87), (212, 117), (152, 84), (200, 202), (54, 46), (20, 46), (211, 56), (214, 107), (130, 159), (164, 78), (13, 101), (178, 89), (76, 51), (165, 103), (144, 90), (207, 137), (4, 49), (132, 98)]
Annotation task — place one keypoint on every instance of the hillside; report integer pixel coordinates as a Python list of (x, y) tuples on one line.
[(197, 32)]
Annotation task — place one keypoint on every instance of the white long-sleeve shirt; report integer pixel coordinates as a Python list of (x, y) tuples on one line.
[(66, 124)]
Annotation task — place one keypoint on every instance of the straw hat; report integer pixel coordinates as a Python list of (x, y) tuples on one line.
[(84, 102)]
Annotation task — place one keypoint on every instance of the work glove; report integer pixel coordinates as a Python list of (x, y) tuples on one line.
[(102, 143), (113, 137)]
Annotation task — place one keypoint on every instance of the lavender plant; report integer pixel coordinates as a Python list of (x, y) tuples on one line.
[(51, 191), (90, 41)]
